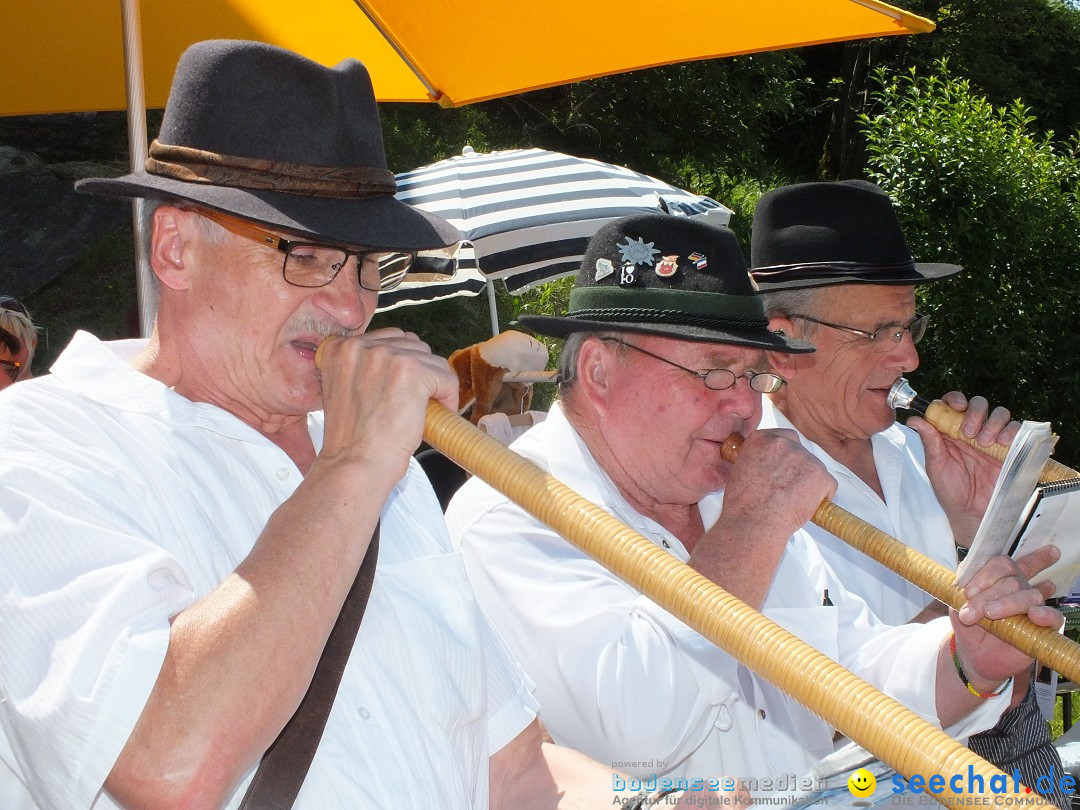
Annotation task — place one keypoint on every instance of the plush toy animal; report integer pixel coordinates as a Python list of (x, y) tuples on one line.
[(480, 369)]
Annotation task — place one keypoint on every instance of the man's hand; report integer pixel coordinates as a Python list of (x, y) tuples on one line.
[(774, 489), (963, 477), (1000, 589), (376, 387)]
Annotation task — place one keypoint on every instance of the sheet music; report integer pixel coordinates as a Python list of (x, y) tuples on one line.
[(1019, 474)]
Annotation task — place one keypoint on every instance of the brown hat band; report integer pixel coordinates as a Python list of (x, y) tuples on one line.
[(198, 166)]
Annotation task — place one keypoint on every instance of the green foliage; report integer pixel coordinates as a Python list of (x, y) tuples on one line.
[(1008, 50), (975, 186)]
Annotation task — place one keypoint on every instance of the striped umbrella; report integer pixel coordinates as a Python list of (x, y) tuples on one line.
[(436, 279), (528, 213)]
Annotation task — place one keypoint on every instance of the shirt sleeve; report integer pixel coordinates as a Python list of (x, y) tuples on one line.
[(592, 644), (901, 661), (85, 603)]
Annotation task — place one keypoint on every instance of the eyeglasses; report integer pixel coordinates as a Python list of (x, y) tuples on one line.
[(718, 379), (12, 368), (884, 336), (13, 305), (313, 265)]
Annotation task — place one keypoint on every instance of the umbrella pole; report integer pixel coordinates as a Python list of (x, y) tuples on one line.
[(489, 285), (136, 110)]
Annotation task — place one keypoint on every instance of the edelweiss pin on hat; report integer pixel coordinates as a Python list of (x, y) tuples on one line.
[(665, 275), (821, 234), (265, 134)]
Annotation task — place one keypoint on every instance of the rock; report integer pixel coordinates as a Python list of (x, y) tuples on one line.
[(15, 160), (45, 225)]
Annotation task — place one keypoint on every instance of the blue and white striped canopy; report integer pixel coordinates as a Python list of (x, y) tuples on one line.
[(422, 287), (529, 213)]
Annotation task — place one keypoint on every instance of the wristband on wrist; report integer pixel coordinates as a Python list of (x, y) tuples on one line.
[(964, 678)]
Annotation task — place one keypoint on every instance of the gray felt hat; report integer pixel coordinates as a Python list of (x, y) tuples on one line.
[(664, 275), (265, 134)]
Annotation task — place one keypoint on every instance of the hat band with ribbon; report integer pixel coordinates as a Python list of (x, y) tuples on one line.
[(827, 270), (199, 166), (652, 305)]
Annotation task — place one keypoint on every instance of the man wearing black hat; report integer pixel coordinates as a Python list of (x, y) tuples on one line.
[(182, 519), (834, 269), (665, 357)]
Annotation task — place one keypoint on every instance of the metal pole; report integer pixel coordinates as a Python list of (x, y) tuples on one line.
[(494, 310), (136, 108)]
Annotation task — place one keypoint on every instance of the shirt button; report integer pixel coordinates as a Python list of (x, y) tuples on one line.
[(282, 474), (364, 713), (761, 713)]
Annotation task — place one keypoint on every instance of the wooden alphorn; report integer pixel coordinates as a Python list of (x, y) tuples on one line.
[(878, 723), (949, 422)]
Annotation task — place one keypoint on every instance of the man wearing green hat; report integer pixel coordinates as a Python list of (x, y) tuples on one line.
[(665, 357)]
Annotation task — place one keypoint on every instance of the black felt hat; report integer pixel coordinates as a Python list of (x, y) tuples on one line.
[(263, 133), (821, 234), (664, 275)]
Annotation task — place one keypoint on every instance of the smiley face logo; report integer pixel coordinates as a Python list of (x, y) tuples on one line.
[(862, 783)]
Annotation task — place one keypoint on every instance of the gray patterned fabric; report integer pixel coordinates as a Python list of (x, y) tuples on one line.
[(1021, 741)]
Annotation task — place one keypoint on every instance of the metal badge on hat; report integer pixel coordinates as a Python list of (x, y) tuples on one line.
[(667, 267), (634, 253), (604, 268), (699, 260)]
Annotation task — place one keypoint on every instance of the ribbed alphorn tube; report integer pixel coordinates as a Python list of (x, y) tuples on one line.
[(894, 734)]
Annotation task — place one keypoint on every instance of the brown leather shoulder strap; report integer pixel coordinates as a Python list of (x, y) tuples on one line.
[(285, 763)]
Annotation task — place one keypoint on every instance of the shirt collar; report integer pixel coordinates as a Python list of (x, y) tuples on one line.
[(100, 372)]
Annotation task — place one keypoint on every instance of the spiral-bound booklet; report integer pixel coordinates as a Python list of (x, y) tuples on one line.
[(1052, 517)]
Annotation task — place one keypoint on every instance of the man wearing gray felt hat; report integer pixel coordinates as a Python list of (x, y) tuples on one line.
[(184, 518), (667, 354)]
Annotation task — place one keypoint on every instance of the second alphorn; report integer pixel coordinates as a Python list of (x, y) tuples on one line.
[(1041, 643), (949, 422)]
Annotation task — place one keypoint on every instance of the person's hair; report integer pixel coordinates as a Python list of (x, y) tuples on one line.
[(782, 303), (17, 328)]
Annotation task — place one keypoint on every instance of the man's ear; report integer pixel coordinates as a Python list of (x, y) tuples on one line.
[(593, 372), (170, 235)]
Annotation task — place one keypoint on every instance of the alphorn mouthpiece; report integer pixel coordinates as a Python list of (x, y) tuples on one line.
[(902, 395)]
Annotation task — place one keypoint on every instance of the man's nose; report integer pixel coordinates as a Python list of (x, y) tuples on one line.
[(350, 305)]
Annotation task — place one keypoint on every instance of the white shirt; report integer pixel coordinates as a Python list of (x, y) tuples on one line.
[(121, 504), (621, 679), (910, 512)]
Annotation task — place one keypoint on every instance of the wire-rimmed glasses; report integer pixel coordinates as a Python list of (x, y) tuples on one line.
[(718, 379)]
